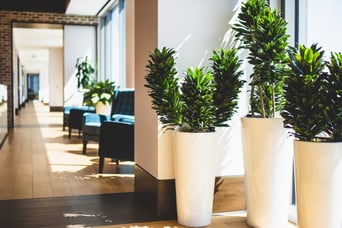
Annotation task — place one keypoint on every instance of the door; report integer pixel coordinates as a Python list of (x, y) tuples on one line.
[(32, 86)]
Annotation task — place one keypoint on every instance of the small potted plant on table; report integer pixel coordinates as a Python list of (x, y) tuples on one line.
[(100, 94)]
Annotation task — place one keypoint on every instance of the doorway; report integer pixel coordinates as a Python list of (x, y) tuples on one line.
[(33, 86), (38, 51)]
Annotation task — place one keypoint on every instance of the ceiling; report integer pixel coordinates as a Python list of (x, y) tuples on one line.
[(78, 7), (55, 6), (32, 44)]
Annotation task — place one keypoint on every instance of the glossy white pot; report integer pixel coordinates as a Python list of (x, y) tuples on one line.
[(195, 163), (318, 169), (268, 161), (103, 109)]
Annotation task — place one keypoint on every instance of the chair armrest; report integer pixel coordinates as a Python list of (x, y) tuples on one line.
[(66, 109), (129, 119), (93, 117)]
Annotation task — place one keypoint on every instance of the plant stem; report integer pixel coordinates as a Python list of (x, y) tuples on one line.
[(251, 100), (262, 102), (273, 100)]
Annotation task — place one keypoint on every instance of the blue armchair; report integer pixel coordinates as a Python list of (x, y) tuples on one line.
[(122, 105)]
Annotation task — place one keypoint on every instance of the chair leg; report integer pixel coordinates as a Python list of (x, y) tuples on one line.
[(117, 161), (101, 164), (85, 146), (69, 132)]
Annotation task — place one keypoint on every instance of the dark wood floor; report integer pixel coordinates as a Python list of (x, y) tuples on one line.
[(80, 211)]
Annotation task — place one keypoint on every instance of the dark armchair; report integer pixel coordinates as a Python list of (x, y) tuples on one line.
[(117, 140), (122, 104), (75, 118), (66, 113)]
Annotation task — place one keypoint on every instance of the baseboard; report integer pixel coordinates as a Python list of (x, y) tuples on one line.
[(159, 195), (56, 109)]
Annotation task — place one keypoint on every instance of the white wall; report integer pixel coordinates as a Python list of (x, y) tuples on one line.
[(56, 77), (146, 37), (290, 18), (130, 43), (200, 27), (15, 80), (79, 41), (323, 24), (276, 4), (44, 90), (194, 28)]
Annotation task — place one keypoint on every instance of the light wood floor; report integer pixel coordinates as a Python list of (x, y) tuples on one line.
[(38, 160), (226, 220)]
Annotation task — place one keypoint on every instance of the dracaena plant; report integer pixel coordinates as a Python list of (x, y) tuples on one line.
[(203, 100), (332, 87), (262, 31), (227, 75), (306, 105), (163, 86), (198, 108)]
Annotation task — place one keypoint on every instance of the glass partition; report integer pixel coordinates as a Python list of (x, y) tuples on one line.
[(3, 113)]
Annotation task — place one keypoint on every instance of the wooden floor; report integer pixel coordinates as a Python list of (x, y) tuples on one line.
[(38, 161)]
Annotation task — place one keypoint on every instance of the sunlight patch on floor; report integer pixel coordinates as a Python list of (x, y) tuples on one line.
[(48, 134), (99, 175), (61, 161)]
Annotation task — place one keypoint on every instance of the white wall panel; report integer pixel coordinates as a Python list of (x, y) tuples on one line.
[(79, 41)]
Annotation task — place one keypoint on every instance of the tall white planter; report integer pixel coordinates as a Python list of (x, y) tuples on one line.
[(195, 162), (268, 159), (318, 169)]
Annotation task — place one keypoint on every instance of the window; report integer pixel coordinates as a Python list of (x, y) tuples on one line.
[(112, 44)]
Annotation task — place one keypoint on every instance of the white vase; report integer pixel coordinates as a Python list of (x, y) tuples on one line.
[(103, 109), (318, 169), (195, 163), (268, 162)]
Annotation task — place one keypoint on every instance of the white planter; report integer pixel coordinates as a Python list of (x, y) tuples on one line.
[(318, 184), (103, 109), (195, 163), (268, 159)]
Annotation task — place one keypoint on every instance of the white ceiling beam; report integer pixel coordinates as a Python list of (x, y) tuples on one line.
[(85, 7)]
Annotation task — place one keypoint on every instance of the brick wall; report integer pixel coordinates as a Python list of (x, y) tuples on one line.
[(7, 18)]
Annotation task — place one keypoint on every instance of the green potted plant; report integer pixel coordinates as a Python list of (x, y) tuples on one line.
[(100, 94), (262, 32), (313, 109), (85, 72), (193, 108)]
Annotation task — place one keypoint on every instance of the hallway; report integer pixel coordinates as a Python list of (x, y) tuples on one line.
[(38, 160), (46, 181)]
